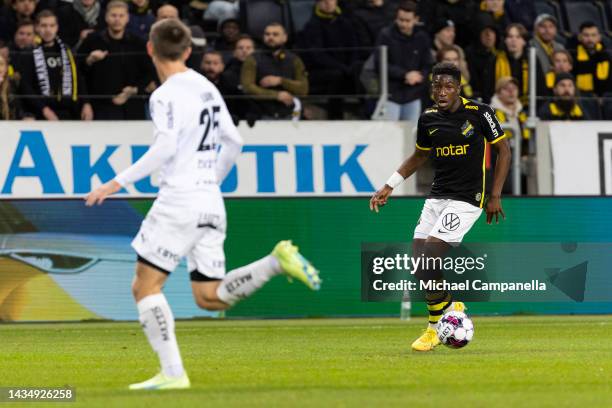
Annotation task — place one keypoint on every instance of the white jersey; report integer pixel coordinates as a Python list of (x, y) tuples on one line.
[(191, 122)]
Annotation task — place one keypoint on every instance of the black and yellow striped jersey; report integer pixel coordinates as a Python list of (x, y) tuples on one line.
[(456, 142)]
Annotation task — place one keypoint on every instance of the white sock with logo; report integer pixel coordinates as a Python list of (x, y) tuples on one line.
[(157, 322), (244, 281)]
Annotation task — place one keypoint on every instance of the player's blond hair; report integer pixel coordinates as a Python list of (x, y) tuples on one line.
[(170, 39)]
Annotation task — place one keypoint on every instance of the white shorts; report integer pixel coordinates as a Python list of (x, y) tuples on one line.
[(169, 232), (447, 220)]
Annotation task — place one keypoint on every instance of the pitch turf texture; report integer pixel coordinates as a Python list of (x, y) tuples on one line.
[(512, 362)]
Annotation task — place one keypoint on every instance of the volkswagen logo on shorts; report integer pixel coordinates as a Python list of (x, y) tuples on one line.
[(450, 221)]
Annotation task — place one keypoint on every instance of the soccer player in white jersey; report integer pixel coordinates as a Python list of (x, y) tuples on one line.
[(196, 145)]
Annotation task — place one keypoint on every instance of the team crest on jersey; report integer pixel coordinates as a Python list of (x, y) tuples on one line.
[(467, 129)]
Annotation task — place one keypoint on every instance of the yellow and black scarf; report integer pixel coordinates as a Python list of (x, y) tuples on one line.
[(502, 69)]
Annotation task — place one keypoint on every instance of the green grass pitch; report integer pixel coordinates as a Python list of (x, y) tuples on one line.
[(550, 361)]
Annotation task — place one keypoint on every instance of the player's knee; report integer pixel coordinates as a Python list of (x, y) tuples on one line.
[(141, 289), (137, 289)]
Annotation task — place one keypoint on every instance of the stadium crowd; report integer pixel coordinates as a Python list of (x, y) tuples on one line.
[(86, 59)]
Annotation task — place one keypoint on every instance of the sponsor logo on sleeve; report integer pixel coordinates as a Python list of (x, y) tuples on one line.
[(489, 118)]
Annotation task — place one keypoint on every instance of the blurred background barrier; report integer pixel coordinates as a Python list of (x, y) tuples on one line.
[(62, 261), (308, 181), (67, 159)]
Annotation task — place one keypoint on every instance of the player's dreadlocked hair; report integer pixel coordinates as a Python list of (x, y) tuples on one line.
[(447, 68)]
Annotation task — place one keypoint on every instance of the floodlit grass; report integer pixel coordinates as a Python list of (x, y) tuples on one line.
[(552, 361)]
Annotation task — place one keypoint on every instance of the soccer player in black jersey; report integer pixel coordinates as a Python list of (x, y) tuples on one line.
[(453, 133)]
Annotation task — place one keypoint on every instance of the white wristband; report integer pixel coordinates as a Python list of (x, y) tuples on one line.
[(395, 180)]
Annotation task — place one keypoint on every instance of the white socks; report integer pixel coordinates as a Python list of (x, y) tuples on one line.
[(242, 282), (157, 322)]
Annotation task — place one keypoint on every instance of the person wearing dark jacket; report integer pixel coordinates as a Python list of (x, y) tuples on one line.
[(461, 12), (11, 15), (592, 61), (492, 13), (51, 73), (229, 30), (141, 19), (482, 58), (274, 77), (22, 45), (116, 67), (564, 105), (231, 77), (79, 19), (374, 15), (409, 62), (329, 44)]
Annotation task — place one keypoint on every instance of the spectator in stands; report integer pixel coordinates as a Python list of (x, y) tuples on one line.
[(11, 16), (24, 36), (230, 33), (78, 19), (562, 62), (10, 105), (198, 46), (592, 61), (444, 37), (522, 12), (374, 15), (141, 19), (564, 106), (409, 61), (23, 42), (511, 114), (232, 73), (335, 71), (492, 12), (545, 45), (513, 59), (275, 77), (167, 11), (116, 65), (461, 12), (198, 39), (212, 67), (51, 73), (5, 53), (481, 59), (451, 54), (508, 107)]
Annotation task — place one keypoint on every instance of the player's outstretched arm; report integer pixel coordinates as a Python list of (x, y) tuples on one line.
[(408, 167), (98, 195), (502, 165)]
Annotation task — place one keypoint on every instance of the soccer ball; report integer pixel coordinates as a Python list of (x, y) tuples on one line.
[(455, 329)]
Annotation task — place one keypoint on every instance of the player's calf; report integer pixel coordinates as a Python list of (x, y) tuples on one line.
[(242, 282), (205, 295)]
